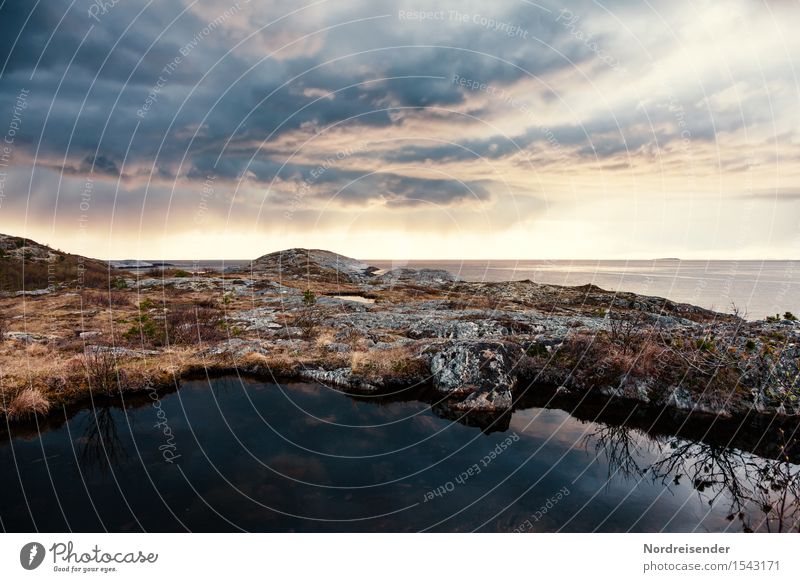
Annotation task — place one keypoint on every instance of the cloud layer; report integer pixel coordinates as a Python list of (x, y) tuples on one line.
[(477, 130)]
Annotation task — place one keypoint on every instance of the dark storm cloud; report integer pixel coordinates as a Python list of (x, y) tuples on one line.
[(405, 191), (602, 138), (347, 187), (156, 89), (130, 82), (98, 164)]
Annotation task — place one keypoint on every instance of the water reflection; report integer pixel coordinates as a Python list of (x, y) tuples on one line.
[(101, 447), (761, 494), (303, 457)]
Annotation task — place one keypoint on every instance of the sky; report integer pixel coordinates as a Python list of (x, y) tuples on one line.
[(183, 129)]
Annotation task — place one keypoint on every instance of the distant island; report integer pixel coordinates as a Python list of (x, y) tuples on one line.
[(72, 327)]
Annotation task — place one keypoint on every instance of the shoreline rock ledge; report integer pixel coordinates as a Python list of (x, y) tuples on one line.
[(470, 348)]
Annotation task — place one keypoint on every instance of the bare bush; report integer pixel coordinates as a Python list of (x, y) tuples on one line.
[(626, 332), (181, 325), (101, 370), (111, 298), (193, 325), (308, 321)]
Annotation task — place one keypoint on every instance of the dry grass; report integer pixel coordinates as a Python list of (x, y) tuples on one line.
[(106, 299), (396, 364), (601, 359), (325, 337), (273, 365), (27, 404)]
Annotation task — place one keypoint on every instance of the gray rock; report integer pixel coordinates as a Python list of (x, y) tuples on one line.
[(27, 338), (680, 398), (478, 374), (237, 347), (457, 329), (338, 348), (120, 352), (341, 377), (34, 293), (260, 318)]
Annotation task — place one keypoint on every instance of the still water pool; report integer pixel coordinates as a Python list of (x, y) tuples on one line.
[(232, 453)]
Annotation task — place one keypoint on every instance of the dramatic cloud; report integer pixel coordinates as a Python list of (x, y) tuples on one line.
[(486, 129)]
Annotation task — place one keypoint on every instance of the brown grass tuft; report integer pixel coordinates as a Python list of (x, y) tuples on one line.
[(395, 364), (28, 403), (105, 299)]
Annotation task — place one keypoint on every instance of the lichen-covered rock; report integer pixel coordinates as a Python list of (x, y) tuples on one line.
[(454, 329), (340, 348), (341, 377), (476, 375), (237, 348)]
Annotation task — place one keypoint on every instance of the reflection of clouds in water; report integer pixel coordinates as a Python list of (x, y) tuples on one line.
[(632, 473), (557, 426), (310, 470)]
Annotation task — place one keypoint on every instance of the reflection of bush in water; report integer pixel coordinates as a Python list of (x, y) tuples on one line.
[(101, 447), (764, 494)]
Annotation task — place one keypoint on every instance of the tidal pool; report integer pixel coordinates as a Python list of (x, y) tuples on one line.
[(231, 454)]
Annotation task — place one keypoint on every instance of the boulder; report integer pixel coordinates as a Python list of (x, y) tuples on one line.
[(477, 376)]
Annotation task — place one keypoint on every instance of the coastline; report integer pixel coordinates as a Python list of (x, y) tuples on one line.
[(329, 319)]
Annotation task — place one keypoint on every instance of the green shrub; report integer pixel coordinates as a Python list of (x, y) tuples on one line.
[(146, 304), (309, 298), (705, 345), (537, 350), (145, 331)]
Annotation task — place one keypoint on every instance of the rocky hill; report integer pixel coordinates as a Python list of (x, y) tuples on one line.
[(30, 266), (312, 264)]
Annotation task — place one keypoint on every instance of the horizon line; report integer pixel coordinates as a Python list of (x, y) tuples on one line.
[(475, 260)]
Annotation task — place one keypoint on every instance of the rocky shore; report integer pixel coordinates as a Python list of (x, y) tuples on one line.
[(475, 348)]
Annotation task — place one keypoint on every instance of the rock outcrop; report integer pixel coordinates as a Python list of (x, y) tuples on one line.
[(31, 268), (476, 376), (312, 265)]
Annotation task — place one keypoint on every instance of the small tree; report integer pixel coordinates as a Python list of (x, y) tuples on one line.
[(309, 298)]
